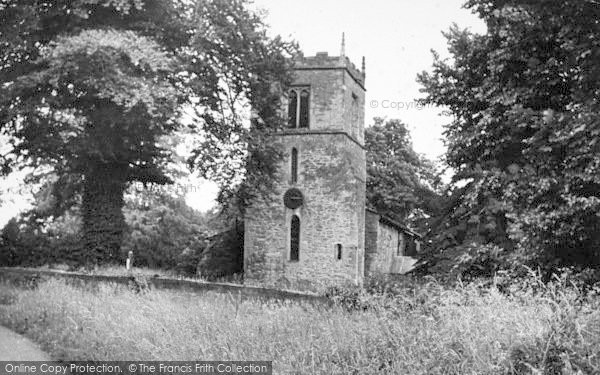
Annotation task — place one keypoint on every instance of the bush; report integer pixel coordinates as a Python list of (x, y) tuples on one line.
[(187, 261), (388, 294), (224, 256), (350, 298), (464, 262), (23, 245)]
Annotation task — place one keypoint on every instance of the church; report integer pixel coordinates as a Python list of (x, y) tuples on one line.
[(315, 230)]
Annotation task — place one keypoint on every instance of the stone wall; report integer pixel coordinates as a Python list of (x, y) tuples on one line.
[(371, 233), (387, 245), (381, 246), (333, 184), (30, 277)]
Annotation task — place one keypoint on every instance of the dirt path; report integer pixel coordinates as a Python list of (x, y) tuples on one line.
[(14, 347)]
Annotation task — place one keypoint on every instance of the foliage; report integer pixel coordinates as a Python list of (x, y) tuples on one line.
[(524, 102), (465, 329), (223, 257), (187, 261), (88, 87), (249, 74), (89, 98), (400, 182), (22, 245), (465, 262), (162, 231)]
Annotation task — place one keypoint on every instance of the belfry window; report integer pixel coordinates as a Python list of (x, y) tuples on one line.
[(292, 109), (304, 97), (295, 239), (355, 111), (294, 165), (299, 108)]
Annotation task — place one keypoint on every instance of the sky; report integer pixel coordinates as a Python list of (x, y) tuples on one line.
[(395, 36)]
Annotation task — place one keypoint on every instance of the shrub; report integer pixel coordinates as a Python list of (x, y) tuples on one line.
[(350, 298), (388, 294), (465, 262), (187, 261), (224, 256), (23, 245)]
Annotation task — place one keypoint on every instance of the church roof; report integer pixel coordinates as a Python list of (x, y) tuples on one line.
[(394, 223)]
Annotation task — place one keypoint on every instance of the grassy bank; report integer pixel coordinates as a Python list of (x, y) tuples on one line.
[(459, 331)]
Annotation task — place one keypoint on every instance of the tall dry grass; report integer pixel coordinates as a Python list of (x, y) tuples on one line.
[(465, 330)]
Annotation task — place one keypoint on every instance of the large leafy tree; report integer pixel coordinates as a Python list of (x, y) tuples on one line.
[(400, 182), (87, 87), (523, 142), (250, 73)]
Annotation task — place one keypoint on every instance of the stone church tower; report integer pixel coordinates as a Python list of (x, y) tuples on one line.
[(311, 232)]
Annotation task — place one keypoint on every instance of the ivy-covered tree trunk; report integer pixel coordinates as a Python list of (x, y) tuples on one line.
[(103, 220)]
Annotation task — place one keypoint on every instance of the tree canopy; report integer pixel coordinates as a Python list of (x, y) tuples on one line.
[(88, 87), (523, 140), (400, 182)]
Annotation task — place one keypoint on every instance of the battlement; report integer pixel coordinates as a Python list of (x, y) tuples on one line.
[(322, 60)]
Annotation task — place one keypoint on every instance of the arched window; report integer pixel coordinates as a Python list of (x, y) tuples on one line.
[(292, 109), (299, 108), (304, 108), (338, 251), (294, 165), (295, 239)]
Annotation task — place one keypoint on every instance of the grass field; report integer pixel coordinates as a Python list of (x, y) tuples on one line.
[(465, 330)]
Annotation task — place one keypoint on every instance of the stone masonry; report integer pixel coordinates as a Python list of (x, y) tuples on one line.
[(386, 245), (331, 176)]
